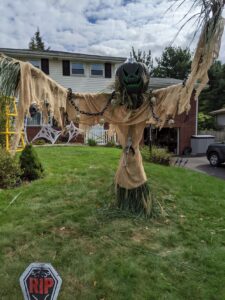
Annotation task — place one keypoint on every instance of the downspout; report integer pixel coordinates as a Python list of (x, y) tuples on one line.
[(196, 117)]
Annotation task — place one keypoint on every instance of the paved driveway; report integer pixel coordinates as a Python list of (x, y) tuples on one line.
[(201, 164)]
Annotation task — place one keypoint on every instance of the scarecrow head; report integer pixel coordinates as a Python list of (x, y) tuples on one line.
[(132, 80)]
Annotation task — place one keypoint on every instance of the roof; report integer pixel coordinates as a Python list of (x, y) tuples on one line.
[(155, 83), (59, 54), (218, 112)]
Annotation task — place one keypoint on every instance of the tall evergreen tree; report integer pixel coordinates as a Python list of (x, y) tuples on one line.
[(142, 56), (213, 97), (36, 42), (175, 62)]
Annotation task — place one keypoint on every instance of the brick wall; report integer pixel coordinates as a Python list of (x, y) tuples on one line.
[(187, 125)]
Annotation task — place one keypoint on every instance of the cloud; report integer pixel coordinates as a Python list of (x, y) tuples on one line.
[(95, 26)]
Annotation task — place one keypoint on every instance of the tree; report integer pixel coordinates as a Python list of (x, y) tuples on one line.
[(213, 97), (30, 164), (36, 42), (142, 56), (175, 62), (205, 121)]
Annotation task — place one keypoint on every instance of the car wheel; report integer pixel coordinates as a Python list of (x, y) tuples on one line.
[(214, 159)]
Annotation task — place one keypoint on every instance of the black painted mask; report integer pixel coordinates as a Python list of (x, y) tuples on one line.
[(132, 80)]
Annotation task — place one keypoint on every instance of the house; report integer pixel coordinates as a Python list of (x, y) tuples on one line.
[(95, 73), (220, 117)]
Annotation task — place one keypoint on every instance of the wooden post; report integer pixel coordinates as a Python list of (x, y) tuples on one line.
[(8, 132), (7, 125)]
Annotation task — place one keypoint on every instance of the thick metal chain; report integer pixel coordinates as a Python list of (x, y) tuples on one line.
[(155, 117), (70, 98), (100, 113)]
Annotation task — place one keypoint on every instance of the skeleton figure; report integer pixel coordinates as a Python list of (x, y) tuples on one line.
[(128, 108)]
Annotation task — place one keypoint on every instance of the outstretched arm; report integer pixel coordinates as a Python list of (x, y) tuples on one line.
[(176, 99)]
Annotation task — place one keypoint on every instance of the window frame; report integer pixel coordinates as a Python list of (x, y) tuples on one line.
[(35, 60), (103, 70), (35, 125), (71, 69)]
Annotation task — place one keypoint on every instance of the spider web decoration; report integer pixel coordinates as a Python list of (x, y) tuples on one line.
[(73, 131), (48, 133)]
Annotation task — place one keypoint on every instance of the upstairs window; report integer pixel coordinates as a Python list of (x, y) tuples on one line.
[(77, 68), (36, 63), (97, 69)]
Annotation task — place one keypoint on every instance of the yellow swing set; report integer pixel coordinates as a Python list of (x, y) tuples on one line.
[(11, 112)]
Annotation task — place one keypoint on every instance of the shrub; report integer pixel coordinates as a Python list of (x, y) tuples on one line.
[(39, 142), (157, 155), (111, 144), (92, 142), (30, 164), (9, 170)]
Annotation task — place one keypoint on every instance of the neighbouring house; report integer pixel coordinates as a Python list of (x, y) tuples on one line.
[(220, 118), (95, 73)]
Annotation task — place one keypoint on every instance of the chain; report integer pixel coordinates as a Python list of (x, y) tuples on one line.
[(70, 97), (100, 113), (155, 117)]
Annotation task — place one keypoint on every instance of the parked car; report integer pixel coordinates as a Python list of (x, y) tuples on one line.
[(216, 154)]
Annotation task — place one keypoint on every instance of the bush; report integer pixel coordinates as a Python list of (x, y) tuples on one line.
[(205, 121), (10, 171), (110, 144), (157, 155), (39, 142), (92, 142), (31, 166)]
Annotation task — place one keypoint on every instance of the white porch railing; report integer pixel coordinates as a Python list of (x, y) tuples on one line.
[(100, 136)]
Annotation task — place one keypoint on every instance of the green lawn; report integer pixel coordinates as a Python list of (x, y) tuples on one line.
[(65, 219)]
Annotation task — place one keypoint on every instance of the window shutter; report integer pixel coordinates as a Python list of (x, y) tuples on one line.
[(45, 65), (108, 70), (66, 67)]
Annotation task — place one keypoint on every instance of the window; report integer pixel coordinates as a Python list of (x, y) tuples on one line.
[(97, 69), (35, 63), (77, 69), (36, 120)]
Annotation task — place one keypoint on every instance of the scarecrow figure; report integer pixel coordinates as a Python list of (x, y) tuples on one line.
[(127, 108)]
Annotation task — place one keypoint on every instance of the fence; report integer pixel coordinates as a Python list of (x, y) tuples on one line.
[(101, 137), (219, 135)]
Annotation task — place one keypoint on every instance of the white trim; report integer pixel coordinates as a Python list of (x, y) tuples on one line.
[(77, 75), (103, 70), (196, 121), (31, 61)]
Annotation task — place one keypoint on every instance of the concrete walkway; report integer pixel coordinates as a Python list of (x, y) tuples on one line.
[(201, 164)]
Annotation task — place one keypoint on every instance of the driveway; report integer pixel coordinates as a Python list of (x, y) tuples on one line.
[(201, 164)]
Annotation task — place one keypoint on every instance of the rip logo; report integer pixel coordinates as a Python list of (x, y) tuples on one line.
[(40, 281)]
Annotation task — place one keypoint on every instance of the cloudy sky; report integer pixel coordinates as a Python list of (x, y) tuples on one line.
[(105, 27)]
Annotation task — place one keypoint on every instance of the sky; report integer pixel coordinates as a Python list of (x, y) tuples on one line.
[(97, 26)]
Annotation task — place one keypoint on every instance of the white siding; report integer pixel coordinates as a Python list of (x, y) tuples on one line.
[(82, 83), (220, 119)]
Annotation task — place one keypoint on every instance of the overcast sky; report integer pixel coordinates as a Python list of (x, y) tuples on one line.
[(105, 27)]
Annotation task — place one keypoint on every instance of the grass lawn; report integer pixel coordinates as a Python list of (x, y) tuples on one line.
[(100, 253)]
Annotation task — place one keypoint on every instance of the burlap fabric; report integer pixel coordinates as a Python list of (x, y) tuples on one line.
[(127, 124)]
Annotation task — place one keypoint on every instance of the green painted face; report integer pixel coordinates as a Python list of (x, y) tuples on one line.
[(132, 81)]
